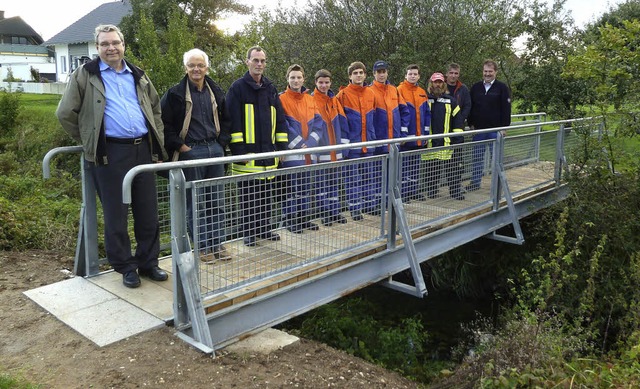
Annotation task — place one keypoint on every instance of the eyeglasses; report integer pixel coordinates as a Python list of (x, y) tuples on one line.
[(196, 65), (105, 45)]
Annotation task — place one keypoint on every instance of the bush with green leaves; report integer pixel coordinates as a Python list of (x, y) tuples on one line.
[(9, 110)]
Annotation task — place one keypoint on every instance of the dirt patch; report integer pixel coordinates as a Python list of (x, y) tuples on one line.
[(38, 347)]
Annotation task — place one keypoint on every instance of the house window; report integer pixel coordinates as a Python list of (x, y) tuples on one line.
[(18, 40), (63, 64)]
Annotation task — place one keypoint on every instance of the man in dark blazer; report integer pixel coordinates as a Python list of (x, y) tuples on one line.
[(490, 108)]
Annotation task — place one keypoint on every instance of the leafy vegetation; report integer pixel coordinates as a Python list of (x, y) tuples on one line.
[(569, 298)]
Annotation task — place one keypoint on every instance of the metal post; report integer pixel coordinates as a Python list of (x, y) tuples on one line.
[(187, 300), (498, 154), (87, 262), (560, 157)]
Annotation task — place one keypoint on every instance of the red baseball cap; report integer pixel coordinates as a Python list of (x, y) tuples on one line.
[(437, 76)]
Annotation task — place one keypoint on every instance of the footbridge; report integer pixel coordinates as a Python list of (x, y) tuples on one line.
[(214, 302)]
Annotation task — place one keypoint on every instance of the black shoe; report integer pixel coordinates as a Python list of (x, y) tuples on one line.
[(249, 241), (295, 228), (154, 273), (340, 219), (373, 211), (327, 221), (131, 279), (272, 236), (472, 187), (418, 197), (310, 226), (357, 216)]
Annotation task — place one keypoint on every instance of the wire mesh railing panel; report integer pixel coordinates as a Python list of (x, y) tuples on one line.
[(529, 160), (164, 212), (248, 227), (433, 183)]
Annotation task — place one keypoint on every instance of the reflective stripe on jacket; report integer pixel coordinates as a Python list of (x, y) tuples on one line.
[(258, 124), (445, 119)]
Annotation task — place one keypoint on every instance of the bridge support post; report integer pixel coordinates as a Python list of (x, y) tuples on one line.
[(187, 300), (87, 261), (500, 185), (399, 218)]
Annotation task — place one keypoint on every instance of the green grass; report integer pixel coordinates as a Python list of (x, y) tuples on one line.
[(8, 381)]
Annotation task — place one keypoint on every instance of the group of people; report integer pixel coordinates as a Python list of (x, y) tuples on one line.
[(111, 107)]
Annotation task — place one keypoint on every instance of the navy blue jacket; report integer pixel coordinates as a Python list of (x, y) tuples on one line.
[(491, 108)]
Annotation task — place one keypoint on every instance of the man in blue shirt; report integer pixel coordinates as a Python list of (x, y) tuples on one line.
[(111, 108)]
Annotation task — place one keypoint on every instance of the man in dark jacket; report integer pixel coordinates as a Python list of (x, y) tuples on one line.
[(490, 108), (258, 125), (112, 108), (197, 126), (458, 90)]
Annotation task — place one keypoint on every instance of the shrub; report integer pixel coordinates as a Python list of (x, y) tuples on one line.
[(9, 110)]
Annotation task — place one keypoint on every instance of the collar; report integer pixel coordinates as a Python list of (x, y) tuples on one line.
[(103, 66)]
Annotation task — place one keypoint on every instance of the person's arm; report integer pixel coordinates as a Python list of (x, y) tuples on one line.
[(154, 99), (505, 106), (225, 122), (69, 107), (405, 115), (281, 127), (465, 103), (171, 121), (237, 143)]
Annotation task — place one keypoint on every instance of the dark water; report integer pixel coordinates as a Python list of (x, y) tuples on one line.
[(442, 314)]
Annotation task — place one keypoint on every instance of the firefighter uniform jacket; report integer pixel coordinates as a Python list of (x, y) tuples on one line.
[(391, 119), (359, 107), (445, 119), (258, 124), (334, 118), (419, 112), (305, 125)]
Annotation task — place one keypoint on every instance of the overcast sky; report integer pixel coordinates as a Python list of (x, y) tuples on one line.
[(48, 17)]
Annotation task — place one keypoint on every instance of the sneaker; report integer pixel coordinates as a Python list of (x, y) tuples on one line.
[(310, 226), (418, 197), (373, 211), (327, 221), (221, 254), (472, 187), (295, 228), (249, 241), (339, 219), (272, 236), (357, 216)]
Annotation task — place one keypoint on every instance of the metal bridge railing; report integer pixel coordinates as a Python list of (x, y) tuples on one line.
[(399, 191)]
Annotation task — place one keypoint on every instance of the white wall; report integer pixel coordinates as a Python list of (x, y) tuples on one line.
[(21, 66), (62, 74)]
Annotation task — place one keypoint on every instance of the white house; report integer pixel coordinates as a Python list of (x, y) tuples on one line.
[(21, 50), (75, 44)]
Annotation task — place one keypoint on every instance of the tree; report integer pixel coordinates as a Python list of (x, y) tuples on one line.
[(550, 39), (332, 33), (201, 15), (163, 62)]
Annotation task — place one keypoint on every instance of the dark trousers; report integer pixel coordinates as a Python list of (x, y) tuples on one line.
[(144, 206), (359, 183), (209, 199), (452, 169), (327, 185), (255, 203)]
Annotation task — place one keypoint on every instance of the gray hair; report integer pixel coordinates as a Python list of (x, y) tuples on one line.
[(107, 28), (195, 53)]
